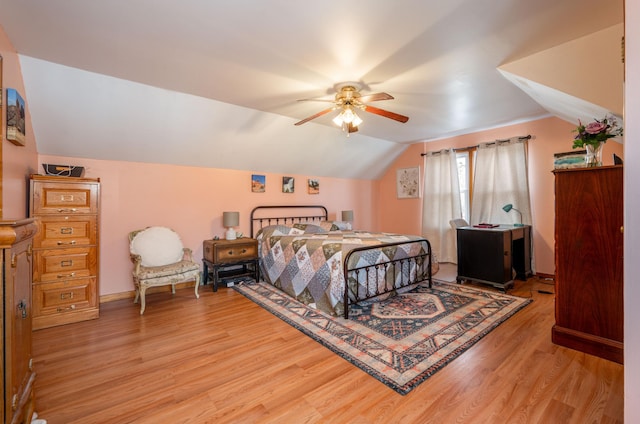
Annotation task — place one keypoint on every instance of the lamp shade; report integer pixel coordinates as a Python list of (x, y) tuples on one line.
[(507, 207), (347, 216), (230, 219)]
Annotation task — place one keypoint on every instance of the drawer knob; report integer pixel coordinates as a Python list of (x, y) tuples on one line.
[(244, 250)]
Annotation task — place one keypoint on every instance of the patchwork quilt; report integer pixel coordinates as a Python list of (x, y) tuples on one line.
[(306, 262)]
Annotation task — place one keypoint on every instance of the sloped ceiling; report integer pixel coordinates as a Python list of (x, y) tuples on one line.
[(216, 83)]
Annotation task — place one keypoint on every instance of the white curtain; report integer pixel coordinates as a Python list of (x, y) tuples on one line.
[(441, 203), (501, 178)]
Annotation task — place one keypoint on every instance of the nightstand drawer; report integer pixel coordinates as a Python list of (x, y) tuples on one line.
[(222, 251)]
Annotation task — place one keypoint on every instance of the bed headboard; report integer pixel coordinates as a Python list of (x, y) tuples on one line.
[(262, 216)]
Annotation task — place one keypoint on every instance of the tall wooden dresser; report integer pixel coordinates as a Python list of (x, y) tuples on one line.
[(18, 376), (589, 262), (65, 269)]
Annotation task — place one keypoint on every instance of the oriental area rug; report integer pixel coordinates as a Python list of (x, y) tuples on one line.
[(403, 340)]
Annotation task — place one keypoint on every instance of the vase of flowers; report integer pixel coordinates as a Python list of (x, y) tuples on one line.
[(592, 137)]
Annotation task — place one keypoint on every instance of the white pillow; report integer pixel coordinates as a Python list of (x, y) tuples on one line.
[(343, 225), (157, 246)]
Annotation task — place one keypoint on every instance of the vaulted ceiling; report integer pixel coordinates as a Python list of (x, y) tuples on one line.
[(217, 83)]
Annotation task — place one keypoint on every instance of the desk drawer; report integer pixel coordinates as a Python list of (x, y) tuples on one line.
[(66, 231), (64, 264)]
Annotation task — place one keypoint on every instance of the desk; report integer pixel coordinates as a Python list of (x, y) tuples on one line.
[(494, 255)]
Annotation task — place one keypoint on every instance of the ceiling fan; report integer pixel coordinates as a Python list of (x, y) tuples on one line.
[(348, 100)]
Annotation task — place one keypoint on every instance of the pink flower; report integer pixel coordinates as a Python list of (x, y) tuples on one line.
[(595, 127)]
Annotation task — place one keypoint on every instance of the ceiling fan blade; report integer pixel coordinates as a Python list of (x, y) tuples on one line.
[(375, 97), (386, 114), (351, 128), (324, 112)]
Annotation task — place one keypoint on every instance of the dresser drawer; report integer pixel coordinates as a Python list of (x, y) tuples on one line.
[(67, 296), (67, 231), (64, 198), (221, 251), (64, 264)]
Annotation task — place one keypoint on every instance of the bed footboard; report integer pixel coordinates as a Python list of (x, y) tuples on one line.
[(386, 276)]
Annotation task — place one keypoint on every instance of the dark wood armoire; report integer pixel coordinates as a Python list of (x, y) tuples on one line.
[(589, 260)]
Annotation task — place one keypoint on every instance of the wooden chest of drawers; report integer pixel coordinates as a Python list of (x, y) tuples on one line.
[(65, 263)]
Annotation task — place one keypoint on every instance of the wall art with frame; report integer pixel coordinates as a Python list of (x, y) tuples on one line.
[(408, 182), (313, 186), (258, 183), (16, 116), (1, 105), (288, 184)]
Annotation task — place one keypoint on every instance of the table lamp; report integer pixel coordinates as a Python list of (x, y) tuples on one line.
[(507, 208), (347, 216), (230, 220)]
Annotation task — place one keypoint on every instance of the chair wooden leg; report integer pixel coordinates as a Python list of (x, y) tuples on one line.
[(142, 299)]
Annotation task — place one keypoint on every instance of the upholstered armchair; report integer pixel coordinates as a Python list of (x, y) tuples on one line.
[(160, 259)]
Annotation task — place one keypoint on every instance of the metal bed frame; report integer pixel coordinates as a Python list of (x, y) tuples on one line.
[(262, 216)]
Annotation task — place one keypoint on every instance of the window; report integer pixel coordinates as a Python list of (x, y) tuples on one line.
[(464, 181)]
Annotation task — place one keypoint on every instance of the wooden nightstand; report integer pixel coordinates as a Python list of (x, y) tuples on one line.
[(230, 260)]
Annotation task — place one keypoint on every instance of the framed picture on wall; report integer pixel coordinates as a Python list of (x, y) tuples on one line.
[(313, 186), (258, 183), (1, 106), (15, 118), (408, 182), (288, 184)]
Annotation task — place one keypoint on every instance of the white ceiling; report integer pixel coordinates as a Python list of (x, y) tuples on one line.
[(216, 83)]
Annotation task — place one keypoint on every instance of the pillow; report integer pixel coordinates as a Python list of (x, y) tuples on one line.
[(308, 229), (157, 246), (342, 225), (314, 225)]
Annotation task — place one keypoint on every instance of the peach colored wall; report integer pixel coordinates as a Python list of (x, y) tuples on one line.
[(191, 201), (550, 135), (17, 161)]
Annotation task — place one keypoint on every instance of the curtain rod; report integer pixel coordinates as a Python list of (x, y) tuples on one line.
[(462, 149)]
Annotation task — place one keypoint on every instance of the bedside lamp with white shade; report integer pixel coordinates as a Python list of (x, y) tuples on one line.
[(230, 220)]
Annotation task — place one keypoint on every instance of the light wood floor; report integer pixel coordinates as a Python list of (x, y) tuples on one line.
[(223, 359)]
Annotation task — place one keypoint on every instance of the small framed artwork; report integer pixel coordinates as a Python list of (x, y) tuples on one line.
[(313, 186), (288, 184), (15, 118), (1, 90), (574, 159), (408, 182), (258, 183)]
